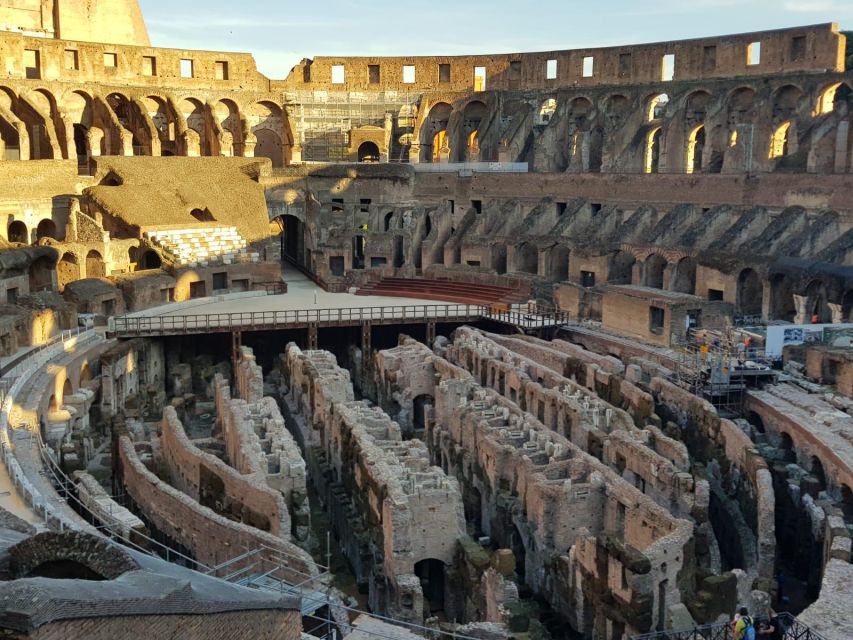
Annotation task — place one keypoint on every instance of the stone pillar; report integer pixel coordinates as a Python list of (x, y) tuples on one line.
[(837, 312), (800, 306)]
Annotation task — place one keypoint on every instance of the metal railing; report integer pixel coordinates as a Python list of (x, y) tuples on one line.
[(793, 630), (241, 321), (517, 315)]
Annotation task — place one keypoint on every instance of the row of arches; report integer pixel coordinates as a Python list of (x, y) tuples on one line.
[(36, 125), (451, 136)]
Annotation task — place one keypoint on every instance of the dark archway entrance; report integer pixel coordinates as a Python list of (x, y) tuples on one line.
[(750, 292), (431, 573), (292, 239), (368, 152), (17, 232), (654, 269), (46, 229), (150, 260)]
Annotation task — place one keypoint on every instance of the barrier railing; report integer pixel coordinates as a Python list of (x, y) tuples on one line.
[(518, 315), (793, 629)]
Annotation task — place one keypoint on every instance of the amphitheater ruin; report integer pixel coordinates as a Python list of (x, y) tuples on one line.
[(540, 345)]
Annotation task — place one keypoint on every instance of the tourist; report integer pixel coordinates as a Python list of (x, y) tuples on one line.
[(744, 626), (772, 629)]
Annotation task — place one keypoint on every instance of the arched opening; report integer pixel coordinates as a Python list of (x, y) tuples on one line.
[(41, 274), (228, 116), (817, 307), (472, 118), (695, 149), (268, 146), (499, 258), (656, 107), (847, 306), (782, 305), (434, 141), (546, 112), (560, 263), (368, 152), (195, 114), (95, 267), (64, 570), (818, 472), (17, 232), (527, 258), (750, 292), (10, 140), (150, 260), (46, 229), (203, 215), (431, 573), (67, 270), (684, 276), (421, 407), (52, 405), (779, 141), (653, 271), (165, 121), (621, 268), (386, 223), (755, 420), (832, 97), (292, 241), (651, 162), (519, 552), (267, 121), (67, 389), (85, 373)]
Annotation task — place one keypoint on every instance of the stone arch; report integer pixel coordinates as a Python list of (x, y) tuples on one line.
[(433, 133), (17, 231), (473, 115), (165, 122), (695, 149), (292, 237), (651, 160), (431, 573), (817, 304), (546, 111), (33, 111), (656, 107), (195, 114), (95, 267), (420, 408), (227, 114), (368, 152), (696, 107), (620, 268), (526, 258), (780, 141), (48, 108), (831, 96), (786, 103), (46, 229), (782, 306), (67, 269), (10, 135), (739, 105), (150, 260), (750, 293), (69, 550), (653, 271), (266, 121), (684, 276), (85, 373)]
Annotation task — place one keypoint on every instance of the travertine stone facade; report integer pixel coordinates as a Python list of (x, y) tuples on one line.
[(391, 507)]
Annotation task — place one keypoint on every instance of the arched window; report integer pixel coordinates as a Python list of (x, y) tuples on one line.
[(368, 152), (652, 158), (657, 107), (17, 232), (695, 149), (779, 142)]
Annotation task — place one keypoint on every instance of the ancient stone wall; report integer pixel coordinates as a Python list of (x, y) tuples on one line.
[(211, 538), (258, 445), (214, 484), (401, 510), (532, 490)]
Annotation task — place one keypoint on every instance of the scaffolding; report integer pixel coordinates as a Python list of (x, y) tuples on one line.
[(720, 365), (324, 121)]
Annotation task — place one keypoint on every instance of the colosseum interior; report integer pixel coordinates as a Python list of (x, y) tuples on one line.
[(537, 346)]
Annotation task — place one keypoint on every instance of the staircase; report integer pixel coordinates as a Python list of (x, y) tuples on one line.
[(202, 244), (444, 290)]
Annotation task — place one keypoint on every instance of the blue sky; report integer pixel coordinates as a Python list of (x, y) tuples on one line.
[(280, 33)]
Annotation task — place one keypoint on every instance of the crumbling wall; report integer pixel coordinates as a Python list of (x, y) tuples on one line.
[(214, 484), (390, 506), (210, 537)]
